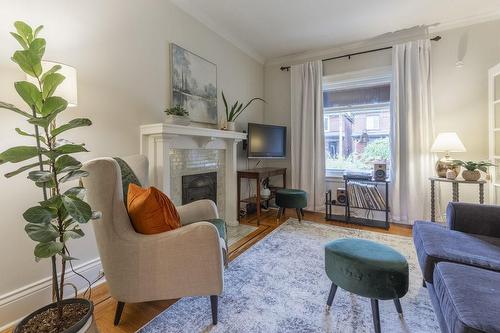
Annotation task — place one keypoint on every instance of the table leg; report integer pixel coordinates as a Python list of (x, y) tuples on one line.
[(258, 201), (481, 194), (284, 179), (455, 192), (238, 197), (433, 203)]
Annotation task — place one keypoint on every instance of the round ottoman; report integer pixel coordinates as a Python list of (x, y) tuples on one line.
[(367, 269), (291, 198)]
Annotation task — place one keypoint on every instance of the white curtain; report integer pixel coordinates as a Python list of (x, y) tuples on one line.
[(412, 131), (307, 134)]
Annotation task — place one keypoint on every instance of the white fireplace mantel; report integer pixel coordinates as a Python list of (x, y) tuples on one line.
[(158, 139)]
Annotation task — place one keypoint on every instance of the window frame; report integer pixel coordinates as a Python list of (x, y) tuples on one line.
[(362, 78)]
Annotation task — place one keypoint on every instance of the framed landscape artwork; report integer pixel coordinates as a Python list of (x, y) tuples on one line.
[(194, 85)]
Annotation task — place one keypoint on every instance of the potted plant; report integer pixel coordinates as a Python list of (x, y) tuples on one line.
[(236, 110), (57, 217), (471, 172), (177, 115)]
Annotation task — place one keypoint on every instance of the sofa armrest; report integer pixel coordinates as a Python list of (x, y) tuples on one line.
[(200, 210), (474, 218)]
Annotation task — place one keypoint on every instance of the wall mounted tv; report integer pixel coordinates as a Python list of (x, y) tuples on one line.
[(266, 141)]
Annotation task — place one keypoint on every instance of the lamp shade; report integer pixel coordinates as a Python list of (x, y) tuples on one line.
[(67, 89), (448, 142)]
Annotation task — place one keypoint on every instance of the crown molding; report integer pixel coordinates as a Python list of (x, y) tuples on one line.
[(465, 21), (210, 24)]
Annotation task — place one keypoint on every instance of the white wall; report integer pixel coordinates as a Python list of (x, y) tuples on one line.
[(121, 51), (460, 94)]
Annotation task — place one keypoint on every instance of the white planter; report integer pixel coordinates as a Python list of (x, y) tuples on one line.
[(177, 120), (231, 126)]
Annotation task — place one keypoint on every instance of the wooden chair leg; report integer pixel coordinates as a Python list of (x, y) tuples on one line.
[(376, 315), (333, 290), (118, 313), (299, 215), (302, 212), (214, 300), (399, 308)]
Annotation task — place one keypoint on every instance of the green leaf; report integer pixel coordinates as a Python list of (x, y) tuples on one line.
[(225, 105), (74, 233), (37, 47), (78, 192), (23, 133), (20, 40), (39, 214), (43, 122), (47, 250), (24, 30), (37, 30), (18, 154), (40, 176), (75, 174), (54, 69), (30, 94), (77, 209), (68, 258), (29, 62), (74, 123), (13, 108), (41, 232), (24, 168), (53, 105), (67, 163), (70, 148), (54, 203), (50, 84)]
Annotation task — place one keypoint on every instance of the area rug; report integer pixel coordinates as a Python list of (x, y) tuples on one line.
[(280, 285)]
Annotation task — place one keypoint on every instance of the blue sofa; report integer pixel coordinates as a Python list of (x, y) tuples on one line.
[(461, 267)]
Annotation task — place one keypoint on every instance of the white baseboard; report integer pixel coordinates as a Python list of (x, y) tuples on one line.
[(18, 303)]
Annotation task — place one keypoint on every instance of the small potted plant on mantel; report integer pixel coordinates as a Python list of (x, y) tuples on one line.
[(177, 115), (236, 110), (471, 172), (57, 217)]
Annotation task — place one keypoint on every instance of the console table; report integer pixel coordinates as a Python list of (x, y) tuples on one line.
[(258, 174), (455, 191)]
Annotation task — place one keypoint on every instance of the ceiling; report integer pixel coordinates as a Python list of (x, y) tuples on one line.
[(267, 29)]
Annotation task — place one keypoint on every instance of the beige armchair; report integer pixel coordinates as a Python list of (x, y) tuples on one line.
[(183, 262)]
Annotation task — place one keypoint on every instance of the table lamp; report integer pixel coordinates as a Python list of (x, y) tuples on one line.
[(447, 143), (67, 89)]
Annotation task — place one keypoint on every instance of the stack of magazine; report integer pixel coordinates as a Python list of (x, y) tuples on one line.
[(365, 196)]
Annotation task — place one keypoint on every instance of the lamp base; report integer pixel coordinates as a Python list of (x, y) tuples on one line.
[(445, 164)]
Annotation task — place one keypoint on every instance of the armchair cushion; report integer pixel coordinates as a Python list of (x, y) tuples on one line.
[(151, 211), (128, 177), (220, 224)]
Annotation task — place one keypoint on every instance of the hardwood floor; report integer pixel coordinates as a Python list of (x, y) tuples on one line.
[(136, 315)]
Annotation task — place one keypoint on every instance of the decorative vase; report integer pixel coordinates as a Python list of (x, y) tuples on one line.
[(177, 120), (231, 126), (85, 325), (451, 174), (471, 176), (265, 193)]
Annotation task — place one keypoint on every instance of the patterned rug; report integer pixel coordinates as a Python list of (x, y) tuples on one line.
[(279, 285)]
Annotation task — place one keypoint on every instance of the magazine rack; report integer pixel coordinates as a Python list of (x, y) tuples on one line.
[(364, 198)]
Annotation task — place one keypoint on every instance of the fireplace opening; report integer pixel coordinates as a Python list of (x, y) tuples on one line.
[(199, 186)]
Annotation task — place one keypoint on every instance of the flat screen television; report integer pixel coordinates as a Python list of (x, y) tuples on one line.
[(266, 141)]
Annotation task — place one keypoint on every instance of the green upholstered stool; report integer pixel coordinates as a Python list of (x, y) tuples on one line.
[(367, 269), (291, 198)]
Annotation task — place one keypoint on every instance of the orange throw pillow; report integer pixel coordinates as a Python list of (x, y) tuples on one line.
[(151, 211)]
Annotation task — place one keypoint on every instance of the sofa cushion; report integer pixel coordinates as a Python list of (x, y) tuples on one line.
[(469, 297), (151, 211), (435, 243), (220, 224)]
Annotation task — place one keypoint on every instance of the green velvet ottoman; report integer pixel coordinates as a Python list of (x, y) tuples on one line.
[(291, 198), (367, 269)]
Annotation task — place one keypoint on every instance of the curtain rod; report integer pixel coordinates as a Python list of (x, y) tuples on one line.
[(287, 68)]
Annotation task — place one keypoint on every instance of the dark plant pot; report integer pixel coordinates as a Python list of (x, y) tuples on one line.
[(85, 324)]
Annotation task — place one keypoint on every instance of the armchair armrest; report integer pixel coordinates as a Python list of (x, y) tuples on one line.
[(200, 210), (474, 218)]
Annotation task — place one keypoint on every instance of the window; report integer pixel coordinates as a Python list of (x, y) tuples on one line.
[(327, 124), (358, 112)]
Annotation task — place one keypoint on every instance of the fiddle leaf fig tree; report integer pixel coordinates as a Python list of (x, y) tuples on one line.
[(57, 218)]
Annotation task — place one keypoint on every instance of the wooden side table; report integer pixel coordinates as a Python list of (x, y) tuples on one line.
[(258, 174), (455, 191)]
